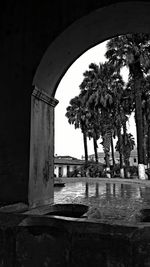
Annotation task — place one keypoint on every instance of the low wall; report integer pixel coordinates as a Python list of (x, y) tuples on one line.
[(38, 241)]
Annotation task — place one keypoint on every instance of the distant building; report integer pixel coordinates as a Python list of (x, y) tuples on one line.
[(133, 157), (64, 165)]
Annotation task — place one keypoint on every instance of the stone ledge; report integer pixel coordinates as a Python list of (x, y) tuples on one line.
[(30, 240), (41, 95)]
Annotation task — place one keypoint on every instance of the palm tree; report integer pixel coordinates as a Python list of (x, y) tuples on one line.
[(77, 116), (132, 50), (87, 87), (92, 123), (100, 89), (119, 118)]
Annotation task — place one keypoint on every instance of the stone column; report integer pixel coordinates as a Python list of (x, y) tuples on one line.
[(41, 149)]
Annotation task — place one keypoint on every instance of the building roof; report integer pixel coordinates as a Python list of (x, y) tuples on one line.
[(67, 160), (65, 157), (116, 154)]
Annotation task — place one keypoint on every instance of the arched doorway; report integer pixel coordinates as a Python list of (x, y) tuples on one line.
[(102, 24)]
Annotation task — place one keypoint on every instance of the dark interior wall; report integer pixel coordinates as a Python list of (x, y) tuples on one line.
[(16, 80), (26, 30)]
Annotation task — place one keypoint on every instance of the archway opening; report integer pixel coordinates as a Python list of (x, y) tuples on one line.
[(65, 88), (98, 26), (69, 139)]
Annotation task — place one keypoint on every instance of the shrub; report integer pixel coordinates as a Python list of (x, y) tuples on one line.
[(93, 169), (75, 173), (133, 170), (115, 170)]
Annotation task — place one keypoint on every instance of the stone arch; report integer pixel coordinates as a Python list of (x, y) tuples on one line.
[(100, 25)]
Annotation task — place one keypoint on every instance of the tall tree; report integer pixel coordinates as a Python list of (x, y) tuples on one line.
[(132, 50), (76, 115), (86, 87), (100, 87), (93, 129)]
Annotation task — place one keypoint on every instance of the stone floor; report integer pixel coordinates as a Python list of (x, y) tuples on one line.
[(108, 199)]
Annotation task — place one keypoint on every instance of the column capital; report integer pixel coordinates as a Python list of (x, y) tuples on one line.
[(43, 96)]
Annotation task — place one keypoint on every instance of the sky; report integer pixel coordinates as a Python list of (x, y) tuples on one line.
[(68, 140)]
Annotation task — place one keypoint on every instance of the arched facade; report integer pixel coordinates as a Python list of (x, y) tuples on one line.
[(67, 28), (99, 25)]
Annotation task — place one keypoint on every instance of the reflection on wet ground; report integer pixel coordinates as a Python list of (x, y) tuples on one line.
[(106, 200)]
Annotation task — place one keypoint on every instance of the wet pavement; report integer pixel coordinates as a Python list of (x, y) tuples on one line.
[(110, 200)]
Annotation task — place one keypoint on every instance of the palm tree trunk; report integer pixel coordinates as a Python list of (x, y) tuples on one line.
[(121, 166), (107, 159), (106, 147), (126, 159), (137, 73), (144, 140), (148, 146), (127, 164), (120, 153), (107, 164), (112, 155), (95, 149), (139, 128), (85, 147), (112, 152)]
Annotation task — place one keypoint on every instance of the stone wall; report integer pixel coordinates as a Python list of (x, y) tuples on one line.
[(52, 241)]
